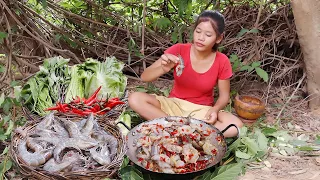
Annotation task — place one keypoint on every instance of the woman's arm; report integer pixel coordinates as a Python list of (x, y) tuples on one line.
[(224, 95), (223, 99)]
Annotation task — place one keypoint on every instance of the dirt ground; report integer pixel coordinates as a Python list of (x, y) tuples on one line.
[(301, 166)]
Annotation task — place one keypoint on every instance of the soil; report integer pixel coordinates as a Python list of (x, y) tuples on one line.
[(297, 167)]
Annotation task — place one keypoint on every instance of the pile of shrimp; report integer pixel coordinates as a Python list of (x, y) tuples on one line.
[(61, 145), (175, 147)]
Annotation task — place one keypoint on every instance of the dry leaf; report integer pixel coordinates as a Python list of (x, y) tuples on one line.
[(298, 172), (267, 163)]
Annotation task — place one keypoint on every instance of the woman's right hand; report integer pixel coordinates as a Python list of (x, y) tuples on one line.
[(168, 61)]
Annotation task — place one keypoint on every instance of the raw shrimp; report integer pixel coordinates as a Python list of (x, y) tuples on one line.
[(33, 159), (163, 162), (173, 148), (46, 122), (58, 128), (191, 155), (180, 66), (102, 136), (143, 153), (88, 126), (76, 143), (101, 154), (185, 129), (23, 132), (209, 148), (34, 144), (69, 159), (175, 161)]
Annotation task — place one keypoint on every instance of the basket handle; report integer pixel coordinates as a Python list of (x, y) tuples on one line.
[(120, 122), (234, 138)]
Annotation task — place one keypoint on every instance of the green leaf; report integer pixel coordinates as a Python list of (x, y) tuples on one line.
[(7, 105), (227, 172), (205, 176), (2, 98), (162, 23), (250, 69), (256, 64), (125, 162), (233, 58), (9, 128), (263, 74), (3, 35), (5, 166), (296, 142), (1, 68), (242, 32), (254, 31), (3, 137), (4, 151), (174, 37), (261, 139), (317, 141), (244, 67), (141, 89), (242, 155), (306, 148), (14, 83), (130, 173), (252, 146), (267, 131)]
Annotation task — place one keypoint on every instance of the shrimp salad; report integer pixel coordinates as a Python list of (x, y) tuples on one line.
[(175, 147)]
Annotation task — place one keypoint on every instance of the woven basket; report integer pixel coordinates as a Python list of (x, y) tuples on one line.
[(109, 171)]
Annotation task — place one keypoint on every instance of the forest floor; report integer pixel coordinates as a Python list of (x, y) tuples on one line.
[(303, 165)]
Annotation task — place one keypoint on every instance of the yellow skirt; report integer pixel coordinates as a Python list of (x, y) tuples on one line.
[(179, 107)]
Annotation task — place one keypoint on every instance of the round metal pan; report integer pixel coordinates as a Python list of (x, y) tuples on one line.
[(217, 139)]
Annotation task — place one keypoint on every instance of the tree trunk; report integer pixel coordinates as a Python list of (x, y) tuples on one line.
[(307, 19)]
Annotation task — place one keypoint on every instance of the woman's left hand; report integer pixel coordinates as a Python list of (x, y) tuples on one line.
[(211, 116)]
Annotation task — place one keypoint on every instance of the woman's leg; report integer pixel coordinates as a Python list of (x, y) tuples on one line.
[(224, 120), (146, 105)]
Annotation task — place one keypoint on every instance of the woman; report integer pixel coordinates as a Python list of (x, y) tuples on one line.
[(192, 92)]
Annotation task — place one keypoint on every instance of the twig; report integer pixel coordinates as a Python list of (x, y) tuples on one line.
[(300, 81), (143, 31), (35, 37)]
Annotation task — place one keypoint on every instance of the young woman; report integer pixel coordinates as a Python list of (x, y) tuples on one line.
[(192, 92)]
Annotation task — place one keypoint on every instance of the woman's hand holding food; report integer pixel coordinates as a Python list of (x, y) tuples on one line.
[(168, 62)]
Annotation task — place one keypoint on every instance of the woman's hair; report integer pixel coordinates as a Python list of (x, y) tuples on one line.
[(217, 21)]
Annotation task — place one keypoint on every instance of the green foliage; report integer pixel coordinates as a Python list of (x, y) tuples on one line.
[(238, 66), (9, 120), (3, 35), (152, 89)]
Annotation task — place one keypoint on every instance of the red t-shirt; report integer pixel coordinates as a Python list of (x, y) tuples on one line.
[(198, 87)]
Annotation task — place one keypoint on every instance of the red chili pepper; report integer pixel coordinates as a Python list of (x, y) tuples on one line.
[(214, 152), (76, 100), (112, 104), (174, 132), (62, 107), (53, 108), (94, 95), (77, 111)]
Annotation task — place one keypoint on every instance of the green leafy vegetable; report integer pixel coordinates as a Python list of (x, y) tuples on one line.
[(44, 89), (86, 78)]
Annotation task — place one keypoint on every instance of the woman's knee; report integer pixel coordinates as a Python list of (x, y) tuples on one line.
[(228, 118), (138, 99), (135, 98)]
